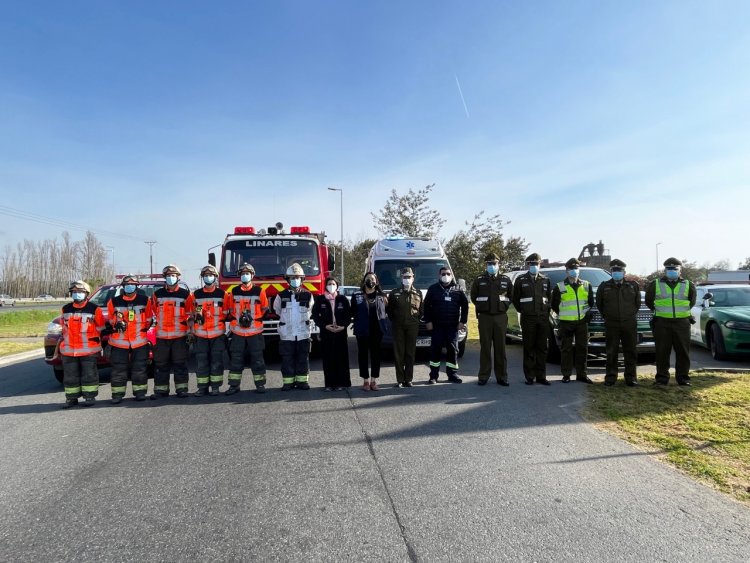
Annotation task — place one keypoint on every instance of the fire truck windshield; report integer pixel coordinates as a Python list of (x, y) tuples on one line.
[(270, 257)]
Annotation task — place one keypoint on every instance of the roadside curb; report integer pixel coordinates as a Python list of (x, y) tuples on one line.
[(721, 369), (22, 357)]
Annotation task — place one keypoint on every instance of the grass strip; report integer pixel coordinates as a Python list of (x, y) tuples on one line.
[(26, 323), (703, 430), (8, 348)]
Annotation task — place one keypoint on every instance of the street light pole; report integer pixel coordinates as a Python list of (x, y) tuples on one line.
[(114, 272), (657, 256), (341, 193), (151, 244)]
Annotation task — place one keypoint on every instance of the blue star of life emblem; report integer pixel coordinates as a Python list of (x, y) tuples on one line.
[(410, 244)]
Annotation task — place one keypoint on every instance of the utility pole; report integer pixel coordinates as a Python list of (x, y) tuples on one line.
[(151, 244), (341, 194)]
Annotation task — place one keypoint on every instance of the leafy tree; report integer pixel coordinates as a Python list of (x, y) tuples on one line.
[(355, 256), (408, 215), (690, 271), (468, 247), (745, 265)]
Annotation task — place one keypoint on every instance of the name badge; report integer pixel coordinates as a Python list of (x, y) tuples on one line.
[(448, 299)]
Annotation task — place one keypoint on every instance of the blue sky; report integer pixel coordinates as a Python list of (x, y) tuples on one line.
[(175, 121)]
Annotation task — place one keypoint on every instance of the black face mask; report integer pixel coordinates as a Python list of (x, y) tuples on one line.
[(369, 283)]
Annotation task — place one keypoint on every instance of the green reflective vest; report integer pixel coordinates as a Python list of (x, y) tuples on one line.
[(672, 303), (574, 303)]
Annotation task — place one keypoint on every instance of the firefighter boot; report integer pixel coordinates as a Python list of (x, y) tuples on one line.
[(70, 403), (232, 390), (200, 392), (214, 391), (89, 402), (116, 400), (140, 396)]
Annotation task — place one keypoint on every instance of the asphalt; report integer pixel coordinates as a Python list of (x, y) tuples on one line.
[(432, 473)]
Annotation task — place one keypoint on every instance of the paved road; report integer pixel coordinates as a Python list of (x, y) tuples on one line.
[(432, 473)]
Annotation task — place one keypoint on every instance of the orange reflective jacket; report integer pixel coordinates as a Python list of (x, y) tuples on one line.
[(170, 310), (132, 311), (81, 324), (208, 305), (254, 301)]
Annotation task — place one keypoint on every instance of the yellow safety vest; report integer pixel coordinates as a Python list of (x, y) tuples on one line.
[(574, 303), (672, 303)]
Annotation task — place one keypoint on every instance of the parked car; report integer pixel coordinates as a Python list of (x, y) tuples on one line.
[(7, 301), (100, 297), (722, 314), (44, 297), (348, 290), (597, 343)]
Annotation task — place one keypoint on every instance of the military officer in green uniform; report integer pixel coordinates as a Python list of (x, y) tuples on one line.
[(670, 298), (572, 300), (531, 298), (618, 301), (492, 294), (405, 309)]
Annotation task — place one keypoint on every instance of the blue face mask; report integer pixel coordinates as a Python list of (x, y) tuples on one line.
[(171, 280), (533, 270), (78, 296), (492, 269), (295, 282), (129, 288), (673, 274), (245, 278), (209, 280), (573, 273), (618, 276)]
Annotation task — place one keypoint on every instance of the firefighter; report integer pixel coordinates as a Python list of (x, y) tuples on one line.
[(332, 314), (572, 300), (169, 305), (492, 294), (294, 308), (618, 300), (82, 324), (246, 305), (531, 298), (208, 314), (670, 298), (405, 309), (128, 343), (446, 310)]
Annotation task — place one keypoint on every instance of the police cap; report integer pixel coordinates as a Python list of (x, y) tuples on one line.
[(572, 263), (492, 257), (533, 257), (672, 261), (617, 264), (407, 272)]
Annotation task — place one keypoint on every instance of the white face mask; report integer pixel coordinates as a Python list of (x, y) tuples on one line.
[(406, 282), (446, 278), (331, 287)]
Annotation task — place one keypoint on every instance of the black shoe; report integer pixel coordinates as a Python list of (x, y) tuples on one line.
[(543, 382), (140, 397), (529, 382), (200, 392), (182, 394), (69, 404), (232, 390), (214, 391), (287, 387), (609, 383), (584, 379), (89, 402), (432, 381), (159, 395), (406, 384), (260, 388), (455, 379), (304, 386), (659, 384), (566, 379), (481, 382), (684, 383), (631, 383), (503, 383), (116, 400)]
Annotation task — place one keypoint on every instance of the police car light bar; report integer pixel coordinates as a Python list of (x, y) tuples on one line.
[(299, 230), (244, 230)]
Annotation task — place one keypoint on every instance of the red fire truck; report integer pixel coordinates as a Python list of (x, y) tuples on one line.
[(271, 251)]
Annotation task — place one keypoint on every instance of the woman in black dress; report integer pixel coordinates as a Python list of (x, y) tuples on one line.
[(332, 314)]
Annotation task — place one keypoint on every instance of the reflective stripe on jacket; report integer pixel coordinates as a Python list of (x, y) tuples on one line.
[(170, 310), (81, 328), (294, 310), (672, 303), (210, 305), (574, 301), (253, 300), (133, 314)]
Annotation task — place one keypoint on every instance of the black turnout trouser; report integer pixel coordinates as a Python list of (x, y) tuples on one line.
[(295, 360), (128, 361), (535, 333), (672, 334), (444, 336), (492, 329), (209, 361), (80, 376), (170, 355), (570, 332), (368, 354), (623, 333), (242, 347)]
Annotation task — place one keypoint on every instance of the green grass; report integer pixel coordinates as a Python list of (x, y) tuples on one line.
[(703, 430), (8, 348), (26, 323), (472, 338)]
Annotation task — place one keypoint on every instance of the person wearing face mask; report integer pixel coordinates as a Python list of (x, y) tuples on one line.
[(169, 305), (670, 298), (572, 300), (128, 343), (446, 310), (294, 307), (404, 308), (332, 314), (619, 300), (370, 322), (208, 314), (246, 305), (492, 293), (82, 324), (531, 296)]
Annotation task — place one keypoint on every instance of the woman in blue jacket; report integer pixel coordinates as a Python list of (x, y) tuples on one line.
[(370, 323)]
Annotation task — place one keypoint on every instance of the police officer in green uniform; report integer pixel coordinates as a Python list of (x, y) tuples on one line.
[(619, 301), (670, 298), (405, 309), (531, 298), (492, 294), (572, 300)]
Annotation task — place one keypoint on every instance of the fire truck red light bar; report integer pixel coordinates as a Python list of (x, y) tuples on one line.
[(244, 230), (299, 230)]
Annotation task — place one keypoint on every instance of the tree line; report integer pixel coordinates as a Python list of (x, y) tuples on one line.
[(48, 266)]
